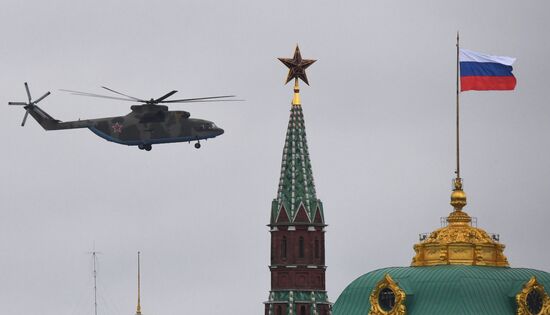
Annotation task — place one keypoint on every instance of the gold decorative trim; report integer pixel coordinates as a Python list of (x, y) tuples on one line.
[(400, 298), (521, 298)]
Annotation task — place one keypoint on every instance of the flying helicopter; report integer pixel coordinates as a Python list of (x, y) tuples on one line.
[(148, 123)]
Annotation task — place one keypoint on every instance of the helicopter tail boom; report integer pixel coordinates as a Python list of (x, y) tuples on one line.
[(49, 123), (44, 119)]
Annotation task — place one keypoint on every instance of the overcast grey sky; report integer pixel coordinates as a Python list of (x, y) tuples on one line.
[(380, 121)]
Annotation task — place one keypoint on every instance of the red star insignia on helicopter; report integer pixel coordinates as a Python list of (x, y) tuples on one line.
[(117, 128)]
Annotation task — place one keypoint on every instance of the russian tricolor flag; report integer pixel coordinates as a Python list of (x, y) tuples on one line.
[(482, 72)]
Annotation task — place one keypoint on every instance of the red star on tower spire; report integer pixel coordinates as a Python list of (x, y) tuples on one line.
[(297, 66)]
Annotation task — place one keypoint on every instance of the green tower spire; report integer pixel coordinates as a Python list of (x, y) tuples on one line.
[(296, 185)]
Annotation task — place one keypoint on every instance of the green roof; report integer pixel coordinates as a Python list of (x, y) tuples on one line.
[(296, 185), (447, 289)]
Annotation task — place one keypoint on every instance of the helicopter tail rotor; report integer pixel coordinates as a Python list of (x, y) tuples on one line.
[(30, 103)]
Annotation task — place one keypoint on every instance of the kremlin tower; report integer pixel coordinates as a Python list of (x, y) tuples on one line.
[(297, 223)]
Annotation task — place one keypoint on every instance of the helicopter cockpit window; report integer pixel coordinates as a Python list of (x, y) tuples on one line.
[(207, 126)]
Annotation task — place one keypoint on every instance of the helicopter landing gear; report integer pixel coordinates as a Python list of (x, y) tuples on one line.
[(146, 147), (197, 145)]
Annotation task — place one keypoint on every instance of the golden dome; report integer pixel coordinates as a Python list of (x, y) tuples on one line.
[(459, 243)]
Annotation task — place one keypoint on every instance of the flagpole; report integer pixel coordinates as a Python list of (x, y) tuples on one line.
[(457, 110)]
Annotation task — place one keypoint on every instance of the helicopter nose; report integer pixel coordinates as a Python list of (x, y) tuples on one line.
[(219, 131)]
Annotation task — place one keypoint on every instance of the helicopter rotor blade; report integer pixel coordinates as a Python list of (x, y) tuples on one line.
[(111, 90), (160, 100), (167, 95), (208, 101), (100, 96), (108, 97), (18, 103), (42, 97), (25, 118), (186, 100), (28, 92)]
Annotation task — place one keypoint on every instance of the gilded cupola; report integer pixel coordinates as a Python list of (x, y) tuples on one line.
[(459, 242)]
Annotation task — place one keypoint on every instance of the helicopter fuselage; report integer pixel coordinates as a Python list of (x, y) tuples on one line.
[(170, 126), (144, 126)]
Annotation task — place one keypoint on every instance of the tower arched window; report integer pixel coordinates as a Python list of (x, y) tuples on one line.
[(303, 310), (283, 247), (317, 248), (301, 247), (279, 310)]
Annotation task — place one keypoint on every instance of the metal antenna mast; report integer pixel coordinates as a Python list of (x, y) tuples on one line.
[(95, 281), (138, 308)]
